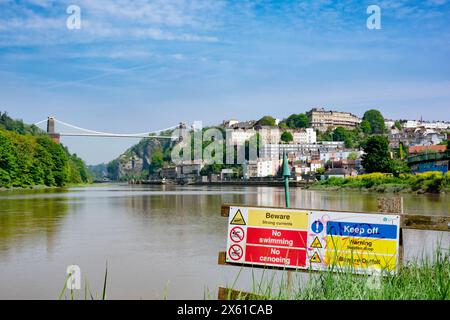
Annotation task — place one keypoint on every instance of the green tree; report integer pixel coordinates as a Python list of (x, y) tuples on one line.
[(43, 167), (352, 156), (340, 134), (297, 121), (376, 120), (287, 137), (365, 127), (325, 136), (267, 121), (211, 169), (157, 161), (60, 160), (398, 167), (401, 151), (376, 157), (8, 161), (320, 171), (398, 125), (29, 157), (113, 169), (255, 142), (24, 153)]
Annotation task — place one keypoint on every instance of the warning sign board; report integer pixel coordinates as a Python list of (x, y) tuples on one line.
[(356, 242), (238, 219), (316, 240)]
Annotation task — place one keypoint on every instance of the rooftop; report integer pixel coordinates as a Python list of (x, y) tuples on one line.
[(419, 149)]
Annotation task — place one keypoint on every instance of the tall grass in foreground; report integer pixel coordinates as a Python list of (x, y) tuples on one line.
[(87, 290), (418, 280)]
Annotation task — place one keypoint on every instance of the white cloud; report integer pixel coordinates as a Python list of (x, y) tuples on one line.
[(41, 3), (114, 20), (437, 2)]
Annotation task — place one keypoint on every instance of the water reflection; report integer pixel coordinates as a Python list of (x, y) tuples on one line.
[(25, 221), (151, 236)]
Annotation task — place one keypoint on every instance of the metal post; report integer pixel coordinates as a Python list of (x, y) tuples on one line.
[(286, 175)]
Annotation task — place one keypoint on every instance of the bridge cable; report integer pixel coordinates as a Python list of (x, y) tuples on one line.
[(112, 134)]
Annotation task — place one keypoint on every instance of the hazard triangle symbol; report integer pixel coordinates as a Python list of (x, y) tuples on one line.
[(316, 244), (238, 219), (315, 258)]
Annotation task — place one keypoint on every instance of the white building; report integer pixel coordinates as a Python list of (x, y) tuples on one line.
[(238, 137), (389, 123), (300, 170), (230, 123), (190, 168), (304, 136), (276, 150), (411, 124), (261, 168), (438, 125), (316, 164), (322, 119), (269, 135)]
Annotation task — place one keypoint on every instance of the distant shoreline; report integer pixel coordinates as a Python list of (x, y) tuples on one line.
[(423, 183)]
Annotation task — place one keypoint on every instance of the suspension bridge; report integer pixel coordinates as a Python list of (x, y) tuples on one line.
[(83, 132)]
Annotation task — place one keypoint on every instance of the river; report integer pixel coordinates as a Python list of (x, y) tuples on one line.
[(158, 241)]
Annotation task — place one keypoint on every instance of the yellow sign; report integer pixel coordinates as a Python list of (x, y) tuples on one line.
[(316, 244), (361, 245), (361, 260), (238, 219), (315, 258), (278, 219)]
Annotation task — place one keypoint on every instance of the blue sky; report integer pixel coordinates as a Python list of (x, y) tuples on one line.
[(141, 65)]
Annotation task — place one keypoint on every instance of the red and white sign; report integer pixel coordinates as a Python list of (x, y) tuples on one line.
[(237, 234), (275, 256), (277, 237), (255, 242)]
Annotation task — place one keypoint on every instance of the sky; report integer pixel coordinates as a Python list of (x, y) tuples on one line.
[(141, 65)]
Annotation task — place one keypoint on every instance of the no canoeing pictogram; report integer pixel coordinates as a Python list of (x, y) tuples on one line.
[(235, 252), (237, 234)]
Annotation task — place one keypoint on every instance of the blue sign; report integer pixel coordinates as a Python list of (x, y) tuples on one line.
[(441, 166), (364, 230), (317, 226)]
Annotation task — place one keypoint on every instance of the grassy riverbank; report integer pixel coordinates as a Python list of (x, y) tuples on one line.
[(429, 182), (418, 280)]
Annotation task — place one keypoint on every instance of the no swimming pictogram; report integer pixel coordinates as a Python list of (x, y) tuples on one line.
[(237, 234)]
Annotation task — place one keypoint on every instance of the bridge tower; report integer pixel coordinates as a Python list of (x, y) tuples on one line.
[(182, 128), (56, 137)]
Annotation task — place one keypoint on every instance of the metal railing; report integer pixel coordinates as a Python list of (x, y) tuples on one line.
[(431, 156)]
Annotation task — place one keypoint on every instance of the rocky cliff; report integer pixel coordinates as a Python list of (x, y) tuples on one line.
[(135, 163)]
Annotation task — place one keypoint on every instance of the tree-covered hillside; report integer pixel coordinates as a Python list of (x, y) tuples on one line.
[(28, 157)]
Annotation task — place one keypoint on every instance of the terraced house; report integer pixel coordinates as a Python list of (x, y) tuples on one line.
[(322, 120)]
